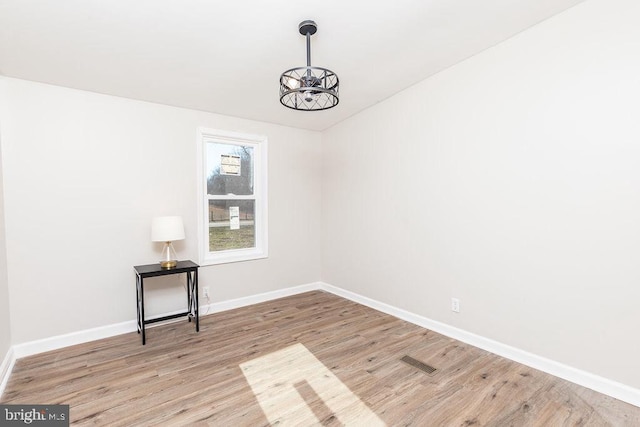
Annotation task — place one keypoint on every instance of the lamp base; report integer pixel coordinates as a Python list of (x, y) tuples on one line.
[(169, 258), (168, 264)]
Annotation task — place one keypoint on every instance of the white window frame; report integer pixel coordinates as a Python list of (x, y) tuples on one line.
[(259, 144)]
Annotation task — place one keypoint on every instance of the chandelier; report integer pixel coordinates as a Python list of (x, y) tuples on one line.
[(309, 88)]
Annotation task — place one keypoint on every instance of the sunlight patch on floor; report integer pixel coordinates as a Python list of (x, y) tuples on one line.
[(295, 388)]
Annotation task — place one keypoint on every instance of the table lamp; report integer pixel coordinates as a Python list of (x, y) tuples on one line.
[(167, 229)]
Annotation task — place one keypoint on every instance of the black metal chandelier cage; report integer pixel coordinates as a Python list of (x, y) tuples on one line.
[(309, 88)]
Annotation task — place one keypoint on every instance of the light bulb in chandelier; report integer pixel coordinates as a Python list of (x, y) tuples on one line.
[(311, 96), (292, 83)]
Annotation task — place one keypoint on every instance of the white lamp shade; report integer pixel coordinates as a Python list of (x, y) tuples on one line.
[(167, 229)]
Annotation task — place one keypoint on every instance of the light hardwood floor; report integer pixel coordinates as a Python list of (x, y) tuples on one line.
[(339, 358)]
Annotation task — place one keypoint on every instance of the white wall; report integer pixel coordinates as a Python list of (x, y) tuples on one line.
[(5, 321), (84, 174), (510, 181)]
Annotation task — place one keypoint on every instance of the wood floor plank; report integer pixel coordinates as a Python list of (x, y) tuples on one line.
[(186, 378)]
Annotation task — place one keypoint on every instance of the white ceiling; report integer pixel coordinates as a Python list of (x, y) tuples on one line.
[(226, 56)]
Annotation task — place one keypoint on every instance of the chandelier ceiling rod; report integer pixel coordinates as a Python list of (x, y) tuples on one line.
[(308, 28), (308, 49)]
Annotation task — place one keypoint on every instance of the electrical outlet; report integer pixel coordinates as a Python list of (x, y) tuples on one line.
[(455, 305), (205, 291)]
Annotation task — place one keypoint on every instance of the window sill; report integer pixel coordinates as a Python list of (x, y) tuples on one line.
[(232, 256)]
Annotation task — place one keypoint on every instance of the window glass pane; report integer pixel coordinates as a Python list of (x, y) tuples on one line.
[(229, 169), (231, 224)]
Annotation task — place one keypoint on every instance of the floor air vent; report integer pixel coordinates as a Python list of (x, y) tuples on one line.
[(418, 364)]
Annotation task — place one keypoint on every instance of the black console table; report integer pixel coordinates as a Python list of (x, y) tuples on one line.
[(153, 270)]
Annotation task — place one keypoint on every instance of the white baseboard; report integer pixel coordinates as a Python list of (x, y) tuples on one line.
[(217, 307), (600, 384), (586, 379), (59, 341), (6, 368)]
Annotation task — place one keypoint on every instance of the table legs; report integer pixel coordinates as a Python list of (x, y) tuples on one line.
[(192, 298), (140, 307)]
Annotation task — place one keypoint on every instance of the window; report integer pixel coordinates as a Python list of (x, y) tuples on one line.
[(233, 196)]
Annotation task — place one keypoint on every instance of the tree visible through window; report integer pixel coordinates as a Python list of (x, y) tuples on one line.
[(235, 217)]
